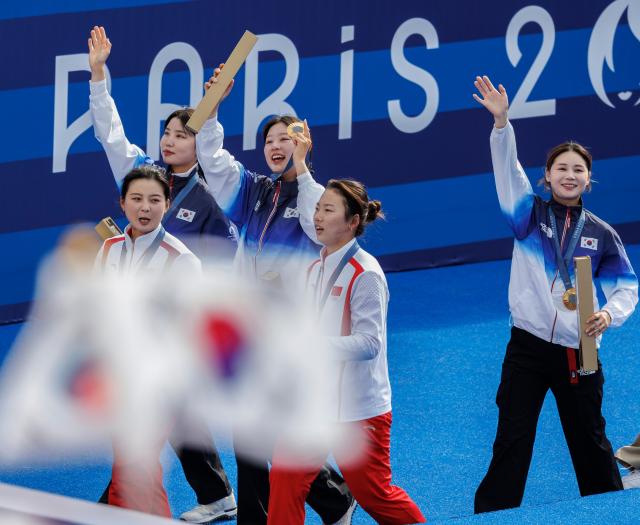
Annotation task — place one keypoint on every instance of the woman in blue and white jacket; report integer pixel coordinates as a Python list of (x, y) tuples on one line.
[(195, 216), (276, 235), (275, 247), (542, 351)]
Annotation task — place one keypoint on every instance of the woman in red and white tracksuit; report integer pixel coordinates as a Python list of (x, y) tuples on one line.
[(350, 292), (144, 247)]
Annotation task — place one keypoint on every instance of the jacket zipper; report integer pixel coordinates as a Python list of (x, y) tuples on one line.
[(266, 225)]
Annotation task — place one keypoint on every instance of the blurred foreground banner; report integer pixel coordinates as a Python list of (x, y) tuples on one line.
[(20, 506), (120, 361)]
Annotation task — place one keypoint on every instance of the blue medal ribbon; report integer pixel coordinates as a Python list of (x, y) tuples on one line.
[(561, 261), (147, 255), (336, 273), (182, 194)]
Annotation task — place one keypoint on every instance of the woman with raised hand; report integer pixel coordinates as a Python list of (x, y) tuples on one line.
[(275, 240), (276, 245), (542, 353), (350, 292), (194, 217)]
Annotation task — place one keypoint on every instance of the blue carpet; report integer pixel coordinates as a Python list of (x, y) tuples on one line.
[(448, 329)]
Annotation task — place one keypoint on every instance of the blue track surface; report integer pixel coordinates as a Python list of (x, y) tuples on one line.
[(448, 331)]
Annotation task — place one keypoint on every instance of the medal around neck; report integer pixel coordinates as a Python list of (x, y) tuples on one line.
[(570, 299)]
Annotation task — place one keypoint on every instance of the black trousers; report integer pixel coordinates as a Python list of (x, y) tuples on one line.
[(201, 466), (531, 367), (329, 496)]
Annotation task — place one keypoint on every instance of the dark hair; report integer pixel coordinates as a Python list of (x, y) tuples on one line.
[(277, 119), (559, 150), (148, 172), (183, 115), (286, 120), (357, 202)]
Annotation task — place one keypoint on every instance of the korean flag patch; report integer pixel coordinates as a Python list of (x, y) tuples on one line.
[(291, 213), (589, 243), (186, 215)]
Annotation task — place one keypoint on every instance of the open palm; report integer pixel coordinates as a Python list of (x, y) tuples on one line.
[(495, 100), (99, 48)]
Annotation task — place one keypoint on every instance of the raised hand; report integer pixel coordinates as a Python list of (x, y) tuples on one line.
[(214, 80), (99, 50), (495, 100), (303, 145)]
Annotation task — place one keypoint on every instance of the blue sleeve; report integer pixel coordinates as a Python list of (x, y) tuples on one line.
[(618, 280), (241, 205)]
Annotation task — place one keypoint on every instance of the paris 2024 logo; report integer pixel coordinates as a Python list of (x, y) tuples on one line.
[(601, 45)]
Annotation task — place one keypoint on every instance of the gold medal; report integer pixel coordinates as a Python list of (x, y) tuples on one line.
[(294, 128), (570, 299)]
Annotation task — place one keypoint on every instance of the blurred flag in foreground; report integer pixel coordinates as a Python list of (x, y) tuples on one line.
[(122, 359)]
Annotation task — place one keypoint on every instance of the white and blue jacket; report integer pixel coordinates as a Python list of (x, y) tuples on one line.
[(197, 220), (275, 235), (535, 287)]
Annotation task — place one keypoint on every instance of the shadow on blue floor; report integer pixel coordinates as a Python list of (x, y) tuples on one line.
[(448, 329)]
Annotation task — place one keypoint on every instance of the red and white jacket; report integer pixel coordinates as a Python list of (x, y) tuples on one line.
[(355, 318), (172, 255)]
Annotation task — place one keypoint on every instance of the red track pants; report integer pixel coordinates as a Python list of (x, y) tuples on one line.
[(369, 480), (138, 486)]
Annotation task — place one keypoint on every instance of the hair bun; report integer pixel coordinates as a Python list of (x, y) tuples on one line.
[(374, 210)]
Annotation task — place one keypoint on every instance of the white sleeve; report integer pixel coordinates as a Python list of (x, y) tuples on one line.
[(107, 127), (187, 264), (621, 301), (97, 263), (514, 190), (368, 320), (222, 172), (309, 193)]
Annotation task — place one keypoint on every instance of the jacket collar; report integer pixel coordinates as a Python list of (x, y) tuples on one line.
[(142, 242), (560, 210), (331, 261)]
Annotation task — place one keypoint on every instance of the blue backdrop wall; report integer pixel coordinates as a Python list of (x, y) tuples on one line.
[(386, 88)]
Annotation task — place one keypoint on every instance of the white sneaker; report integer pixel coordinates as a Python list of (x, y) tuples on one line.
[(223, 508), (346, 518), (631, 480)]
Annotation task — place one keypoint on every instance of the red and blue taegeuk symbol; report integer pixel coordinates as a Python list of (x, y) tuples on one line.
[(226, 343)]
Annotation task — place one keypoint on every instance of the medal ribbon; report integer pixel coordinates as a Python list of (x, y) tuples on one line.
[(182, 194), (561, 261), (334, 276), (147, 255)]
